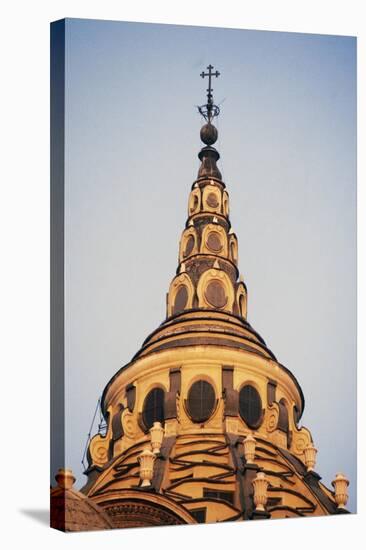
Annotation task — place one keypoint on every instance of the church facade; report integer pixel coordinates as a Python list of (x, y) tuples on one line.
[(203, 424)]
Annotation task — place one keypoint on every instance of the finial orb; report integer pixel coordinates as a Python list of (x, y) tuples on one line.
[(208, 134)]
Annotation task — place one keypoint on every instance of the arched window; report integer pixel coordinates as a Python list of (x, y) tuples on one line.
[(201, 401), (250, 406), (153, 409)]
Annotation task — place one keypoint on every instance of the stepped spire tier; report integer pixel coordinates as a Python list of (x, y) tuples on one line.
[(207, 298), (203, 424)]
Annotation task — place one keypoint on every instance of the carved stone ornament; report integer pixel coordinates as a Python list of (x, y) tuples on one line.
[(260, 485), (128, 423), (65, 478), (301, 438), (310, 456), (272, 415), (156, 434), (340, 484), (99, 450), (141, 514), (249, 444), (99, 445), (146, 460)]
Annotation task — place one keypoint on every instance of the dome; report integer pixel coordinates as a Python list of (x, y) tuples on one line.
[(203, 424)]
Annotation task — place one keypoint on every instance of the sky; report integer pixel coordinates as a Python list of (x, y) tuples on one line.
[(287, 140)]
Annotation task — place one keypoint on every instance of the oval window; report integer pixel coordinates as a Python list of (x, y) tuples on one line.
[(153, 409), (212, 200), (215, 294), (250, 406), (201, 401), (214, 241)]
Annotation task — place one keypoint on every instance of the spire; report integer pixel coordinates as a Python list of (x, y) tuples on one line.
[(207, 274), (208, 155)]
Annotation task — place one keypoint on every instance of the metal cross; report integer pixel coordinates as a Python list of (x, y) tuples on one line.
[(209, 74)]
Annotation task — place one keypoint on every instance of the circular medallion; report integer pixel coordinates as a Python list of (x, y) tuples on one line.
[(213, 241), (181, 299), (212, 200), (215, 294), (189, 246)]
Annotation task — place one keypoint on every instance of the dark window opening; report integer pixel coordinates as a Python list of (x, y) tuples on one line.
[(274, 501), (250, 406), (153, 409), (189, 246), (180, 300), (283, 416), (227, 496), (201, 401), (296, 415), (199, 515)]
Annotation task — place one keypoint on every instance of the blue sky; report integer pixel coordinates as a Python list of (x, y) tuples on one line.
[(287, 139)]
